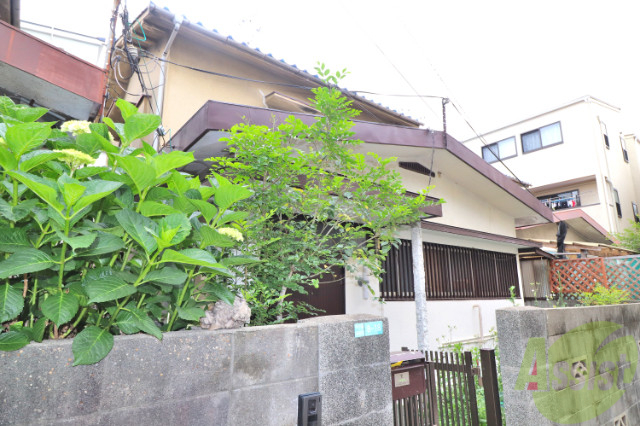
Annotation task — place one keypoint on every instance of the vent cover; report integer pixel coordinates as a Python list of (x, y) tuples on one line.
[(416, 167)]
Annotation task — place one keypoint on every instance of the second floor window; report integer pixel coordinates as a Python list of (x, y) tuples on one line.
[(541, 138), (623, 144), (562, 200), (616, 198), (605, 134), (505, 148)]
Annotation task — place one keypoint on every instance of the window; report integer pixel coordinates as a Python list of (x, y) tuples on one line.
[(634, 207), (617, 200), (623, 144), (396, 283), (563, 200), (541, 138), (451, 273), (505, 148), (605, 134)]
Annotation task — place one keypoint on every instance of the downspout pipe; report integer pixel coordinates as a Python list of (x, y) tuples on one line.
[(163, 76)]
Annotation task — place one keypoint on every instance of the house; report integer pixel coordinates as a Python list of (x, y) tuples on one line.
[(575, 159), (36, 73), (202, 83)]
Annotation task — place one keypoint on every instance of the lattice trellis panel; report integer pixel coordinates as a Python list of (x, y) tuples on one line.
[(624, 272), (573, 276)]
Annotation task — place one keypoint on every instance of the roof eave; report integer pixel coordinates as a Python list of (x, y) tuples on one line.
[(215, 115)]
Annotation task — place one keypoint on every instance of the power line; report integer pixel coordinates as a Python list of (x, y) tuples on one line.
[(399, 95), (462, 115)]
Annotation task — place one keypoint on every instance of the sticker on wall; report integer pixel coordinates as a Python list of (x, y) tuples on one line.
[(372, 328)]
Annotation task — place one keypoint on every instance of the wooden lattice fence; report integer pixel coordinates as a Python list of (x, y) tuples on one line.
[(572, 276)]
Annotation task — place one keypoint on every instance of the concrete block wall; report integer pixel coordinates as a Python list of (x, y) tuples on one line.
[(249, 376), (516, 325)]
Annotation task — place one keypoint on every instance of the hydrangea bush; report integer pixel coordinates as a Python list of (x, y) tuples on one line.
[(91, 251)]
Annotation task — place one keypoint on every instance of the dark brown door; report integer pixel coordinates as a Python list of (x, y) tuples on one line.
[(329, 296)]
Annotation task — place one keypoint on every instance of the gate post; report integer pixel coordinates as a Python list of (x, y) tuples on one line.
[(473, 402), (490, 384)]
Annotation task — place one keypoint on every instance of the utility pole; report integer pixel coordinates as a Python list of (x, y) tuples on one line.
[(419, 286)]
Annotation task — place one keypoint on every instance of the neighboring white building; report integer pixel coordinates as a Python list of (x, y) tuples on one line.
[(577, 161), (91, 49)]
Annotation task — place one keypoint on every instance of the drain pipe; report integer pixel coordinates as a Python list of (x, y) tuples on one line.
[(163, 76), (479, 321)]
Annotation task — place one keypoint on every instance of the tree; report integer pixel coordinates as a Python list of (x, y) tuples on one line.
[(317, 203), (630, 237)]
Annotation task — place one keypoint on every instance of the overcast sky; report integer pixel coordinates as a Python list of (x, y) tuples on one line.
[(499, 61)]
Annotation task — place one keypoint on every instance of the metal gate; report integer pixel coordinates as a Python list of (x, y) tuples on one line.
[(448, 396)]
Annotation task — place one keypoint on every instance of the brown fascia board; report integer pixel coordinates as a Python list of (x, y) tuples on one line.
[(439, 227), (52, 64), (215, 115), (165, 16)]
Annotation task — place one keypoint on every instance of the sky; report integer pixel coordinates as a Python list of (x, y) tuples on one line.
[(498, 61)]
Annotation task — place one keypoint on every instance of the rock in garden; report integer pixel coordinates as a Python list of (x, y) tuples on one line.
[(223, 315)]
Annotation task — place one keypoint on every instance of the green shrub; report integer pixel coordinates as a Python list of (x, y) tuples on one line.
[(602, 295), (92, 251)]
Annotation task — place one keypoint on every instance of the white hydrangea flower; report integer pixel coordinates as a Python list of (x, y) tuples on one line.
[(76, 127), (231, 233), (75, 158)]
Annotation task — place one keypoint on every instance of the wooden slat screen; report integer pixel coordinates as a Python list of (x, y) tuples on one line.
[(397, 281), (451, 273), (466, 273)]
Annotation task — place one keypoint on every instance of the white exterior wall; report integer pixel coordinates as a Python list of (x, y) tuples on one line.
[(457, 320), (582, 153)]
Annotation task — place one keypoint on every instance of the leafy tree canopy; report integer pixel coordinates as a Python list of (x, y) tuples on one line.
[(318, 202)]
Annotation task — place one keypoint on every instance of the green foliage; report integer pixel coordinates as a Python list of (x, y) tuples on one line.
[(318, 201), (630, 237), (93, 251), (512, 295), (602, 295), (560, 299)]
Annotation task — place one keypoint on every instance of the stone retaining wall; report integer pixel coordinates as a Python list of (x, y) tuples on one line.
[(591, 355), (249, 376)]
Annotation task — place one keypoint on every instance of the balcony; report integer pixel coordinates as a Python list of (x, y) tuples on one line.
[(562, 201)]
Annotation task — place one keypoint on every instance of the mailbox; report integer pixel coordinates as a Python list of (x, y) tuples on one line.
[(407, 374)]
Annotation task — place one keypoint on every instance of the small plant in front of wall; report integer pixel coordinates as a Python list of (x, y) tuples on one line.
[(92, 251), (558, 300), (535, 286), (512, 295), (601, 295)]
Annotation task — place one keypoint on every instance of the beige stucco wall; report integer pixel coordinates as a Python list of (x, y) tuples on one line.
[(465, 209), (186, 90), (582, 153)]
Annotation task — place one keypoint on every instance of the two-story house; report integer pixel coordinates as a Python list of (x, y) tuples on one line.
[(577, 161)]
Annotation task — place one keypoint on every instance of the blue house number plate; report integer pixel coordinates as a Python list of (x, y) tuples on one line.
[(371, 328)]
